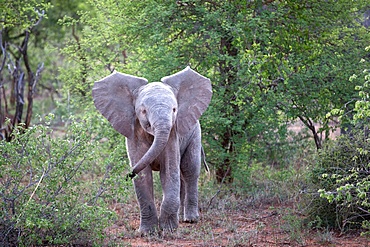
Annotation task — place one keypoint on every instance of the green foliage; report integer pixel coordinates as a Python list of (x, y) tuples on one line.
[(21, 14), (320, 60), (341, 177), (55, 186), (362, 105), (97, 46)]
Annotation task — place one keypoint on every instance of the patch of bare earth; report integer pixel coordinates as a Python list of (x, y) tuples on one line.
[(272, 225)]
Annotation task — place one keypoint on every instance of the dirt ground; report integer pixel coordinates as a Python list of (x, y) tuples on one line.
[(262, 225)]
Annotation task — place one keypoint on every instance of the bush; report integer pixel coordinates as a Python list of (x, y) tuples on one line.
[(53, 189), (341, 178)]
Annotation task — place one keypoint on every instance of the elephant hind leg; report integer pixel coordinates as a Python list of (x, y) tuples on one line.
[(182, 199), (190, 170), (191, 214), (189, 204)]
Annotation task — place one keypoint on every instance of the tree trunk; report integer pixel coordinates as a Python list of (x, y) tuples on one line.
[(228, 72), (223, 172)]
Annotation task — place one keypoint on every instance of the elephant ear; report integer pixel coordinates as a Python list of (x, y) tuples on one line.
[(113, 97), (194, 92)]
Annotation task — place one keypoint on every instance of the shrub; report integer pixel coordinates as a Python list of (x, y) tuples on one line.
[(341, 178), (53, 189)]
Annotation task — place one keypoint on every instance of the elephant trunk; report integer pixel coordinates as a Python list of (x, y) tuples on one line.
[(161, 137)]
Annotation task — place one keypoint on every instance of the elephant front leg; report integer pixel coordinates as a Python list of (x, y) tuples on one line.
[(170, 180), (169, 213), (145, 196)]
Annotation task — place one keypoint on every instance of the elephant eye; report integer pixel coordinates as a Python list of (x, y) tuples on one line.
[(143, 111), (174, 109)]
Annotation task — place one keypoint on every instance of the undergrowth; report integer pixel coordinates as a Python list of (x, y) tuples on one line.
[(341, 184)]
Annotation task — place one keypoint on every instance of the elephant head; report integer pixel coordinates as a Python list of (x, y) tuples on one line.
[(176, 103)]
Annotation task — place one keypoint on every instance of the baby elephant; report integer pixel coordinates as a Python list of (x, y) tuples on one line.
[(160, 123)]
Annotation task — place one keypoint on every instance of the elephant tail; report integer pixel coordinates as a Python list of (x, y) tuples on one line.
[(204, 160)]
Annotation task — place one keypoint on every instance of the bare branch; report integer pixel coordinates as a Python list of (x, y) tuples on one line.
[(19, 90), (31, 91), (3, 51)]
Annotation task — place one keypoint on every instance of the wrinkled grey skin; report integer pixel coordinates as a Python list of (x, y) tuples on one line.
[(160, 122)]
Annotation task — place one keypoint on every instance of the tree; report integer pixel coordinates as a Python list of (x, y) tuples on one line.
[(270, 62), (327, 39), (17, 70)]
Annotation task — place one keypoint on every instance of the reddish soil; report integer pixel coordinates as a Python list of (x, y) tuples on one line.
[(274, 225)]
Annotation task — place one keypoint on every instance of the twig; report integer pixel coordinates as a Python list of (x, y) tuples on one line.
[(33, 193), (219, 188), (204, 160), (37, 186), (41, 15)]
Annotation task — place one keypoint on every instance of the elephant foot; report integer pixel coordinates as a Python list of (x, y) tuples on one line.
[(145, 231), (149, 226), (194, 220), (191, 219), (191, 215), (169, 222)]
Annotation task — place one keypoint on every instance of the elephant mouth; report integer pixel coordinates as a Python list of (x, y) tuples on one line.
[(148, 128), (155, 165)]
